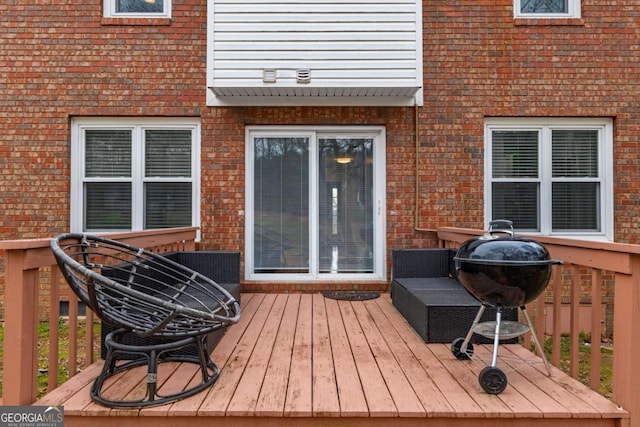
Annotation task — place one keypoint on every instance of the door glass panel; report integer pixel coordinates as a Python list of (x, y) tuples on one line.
[(281, 205), (345, 205)]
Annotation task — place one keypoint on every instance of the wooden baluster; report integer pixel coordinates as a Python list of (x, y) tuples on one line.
[(54, 328), (596, 328), (556, 338)]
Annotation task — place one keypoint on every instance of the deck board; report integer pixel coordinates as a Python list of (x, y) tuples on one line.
[(404, 397), (273, 393), (350, 393), (325, 399), (302, 359), (432, 399), (298, 402)]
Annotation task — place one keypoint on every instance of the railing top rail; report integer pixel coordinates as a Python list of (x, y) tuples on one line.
[(610, 256), (148, 235)]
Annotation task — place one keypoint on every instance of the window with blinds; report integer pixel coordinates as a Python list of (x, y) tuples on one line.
[(132, 175), (550, 177)]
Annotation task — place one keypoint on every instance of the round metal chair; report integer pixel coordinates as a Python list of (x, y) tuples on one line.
[(144, 293)]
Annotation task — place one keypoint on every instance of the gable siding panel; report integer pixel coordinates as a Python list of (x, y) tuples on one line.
[(352, 44)]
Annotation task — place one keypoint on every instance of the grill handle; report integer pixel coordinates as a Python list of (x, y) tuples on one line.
[(501, 226)]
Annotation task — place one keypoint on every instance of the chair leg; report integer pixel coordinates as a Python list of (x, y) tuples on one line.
[(152, 356)]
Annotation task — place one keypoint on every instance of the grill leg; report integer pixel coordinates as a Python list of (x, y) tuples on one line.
[(467, 339), (496, 336), (534, 336)]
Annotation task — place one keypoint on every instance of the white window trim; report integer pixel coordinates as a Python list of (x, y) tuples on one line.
[(137, 125), (379, 186), (573, 12), (605, 149), (109, 11)]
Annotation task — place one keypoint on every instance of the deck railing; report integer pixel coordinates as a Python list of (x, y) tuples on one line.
[(33, 288), (28, 276), (589, 267)]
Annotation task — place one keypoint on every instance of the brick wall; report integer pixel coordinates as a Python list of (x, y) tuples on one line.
[(60, 60), (479, 62)]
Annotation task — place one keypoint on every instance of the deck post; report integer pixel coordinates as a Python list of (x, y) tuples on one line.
[(21, 347), (626, 341)]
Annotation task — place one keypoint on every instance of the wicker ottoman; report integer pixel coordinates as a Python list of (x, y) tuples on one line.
[(440, 309)]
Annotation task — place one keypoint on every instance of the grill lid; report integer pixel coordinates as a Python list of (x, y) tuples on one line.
[(502, 269), (499, 246)]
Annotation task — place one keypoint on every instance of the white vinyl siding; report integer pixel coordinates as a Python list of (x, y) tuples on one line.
[(348, 49)]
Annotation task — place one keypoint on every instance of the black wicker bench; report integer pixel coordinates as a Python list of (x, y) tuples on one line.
[(425, 291)]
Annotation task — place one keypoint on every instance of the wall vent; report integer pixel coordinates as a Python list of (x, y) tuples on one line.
[(303, 75), (269, 75)]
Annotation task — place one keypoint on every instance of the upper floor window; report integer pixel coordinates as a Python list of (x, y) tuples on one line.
[(553, 177), (134, 174), (137, 8), (547, 8)]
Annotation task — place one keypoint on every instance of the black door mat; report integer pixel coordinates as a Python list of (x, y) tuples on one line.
[(351, 295)]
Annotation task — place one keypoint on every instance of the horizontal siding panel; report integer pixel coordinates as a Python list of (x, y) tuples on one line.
[(306, 2), (281, 36), (348, 84), (321, 74), (329, 64), (310, 55), (317, 46), (265, 27), (311, 8), (316, 17)]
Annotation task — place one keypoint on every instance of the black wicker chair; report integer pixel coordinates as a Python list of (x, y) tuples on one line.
[(144, 293)]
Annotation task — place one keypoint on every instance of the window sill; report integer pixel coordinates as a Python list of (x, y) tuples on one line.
[(549, 22), (150, 22)]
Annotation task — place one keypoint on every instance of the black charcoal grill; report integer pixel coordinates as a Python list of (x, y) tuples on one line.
[(504, 271)]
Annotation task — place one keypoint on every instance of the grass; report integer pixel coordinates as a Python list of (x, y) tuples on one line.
[(63, 352), (584, 362)]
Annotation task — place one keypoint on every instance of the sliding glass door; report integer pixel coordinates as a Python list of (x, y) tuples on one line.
[(315, 203)]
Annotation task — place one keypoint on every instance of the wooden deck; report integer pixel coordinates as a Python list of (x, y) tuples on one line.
[(301, 359)]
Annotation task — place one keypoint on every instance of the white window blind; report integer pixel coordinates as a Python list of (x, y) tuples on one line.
[(108, 156), (281, 199), (516, 186), (576, 183)]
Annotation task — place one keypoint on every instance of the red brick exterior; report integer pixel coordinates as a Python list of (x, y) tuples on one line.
[(63, 60)]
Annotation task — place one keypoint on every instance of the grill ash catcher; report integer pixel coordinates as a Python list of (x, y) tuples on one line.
[(501, 270)]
